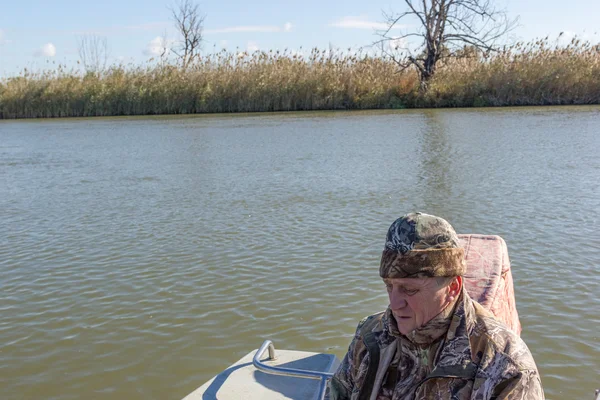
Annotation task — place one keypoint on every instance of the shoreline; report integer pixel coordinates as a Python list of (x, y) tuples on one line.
[(225, 83), (306, 113)]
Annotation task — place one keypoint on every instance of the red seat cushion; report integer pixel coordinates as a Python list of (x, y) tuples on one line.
[(489, 279)]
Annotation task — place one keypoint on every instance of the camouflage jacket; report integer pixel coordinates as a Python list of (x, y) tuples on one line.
[(475, 357)]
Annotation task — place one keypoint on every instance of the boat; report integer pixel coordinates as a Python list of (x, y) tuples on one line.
[(285, 374), (269, 374)]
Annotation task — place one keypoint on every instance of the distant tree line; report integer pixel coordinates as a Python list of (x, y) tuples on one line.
[(450, 58)]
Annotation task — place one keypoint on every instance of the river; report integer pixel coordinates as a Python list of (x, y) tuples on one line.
[(141, 256)]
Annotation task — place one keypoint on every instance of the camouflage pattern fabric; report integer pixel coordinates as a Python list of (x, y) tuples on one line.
[(421, 245), (467, 354)]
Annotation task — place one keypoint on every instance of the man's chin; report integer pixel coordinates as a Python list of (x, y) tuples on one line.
[(405, 324)]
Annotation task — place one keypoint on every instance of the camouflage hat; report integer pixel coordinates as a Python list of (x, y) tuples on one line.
[(421, 245)]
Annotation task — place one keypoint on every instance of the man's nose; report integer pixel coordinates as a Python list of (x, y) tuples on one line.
[(397, 300)]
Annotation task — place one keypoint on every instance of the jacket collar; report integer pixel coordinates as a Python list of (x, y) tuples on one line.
[(455, 359)]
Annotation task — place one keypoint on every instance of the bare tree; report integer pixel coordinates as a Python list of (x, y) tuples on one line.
[(442, 29), (164, 47), (93, 53), (190, 25)]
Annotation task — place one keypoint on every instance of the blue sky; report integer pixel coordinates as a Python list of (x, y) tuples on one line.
[(39, 34)]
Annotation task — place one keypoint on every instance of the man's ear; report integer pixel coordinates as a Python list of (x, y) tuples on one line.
[(454, 288)]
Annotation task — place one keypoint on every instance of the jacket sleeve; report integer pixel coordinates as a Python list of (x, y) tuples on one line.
[(342, 384), (524, 386)]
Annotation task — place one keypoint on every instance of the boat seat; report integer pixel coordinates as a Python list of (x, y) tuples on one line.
[(489, 279)]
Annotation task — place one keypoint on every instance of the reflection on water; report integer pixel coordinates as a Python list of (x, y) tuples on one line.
[(139, 257), (436, 170)]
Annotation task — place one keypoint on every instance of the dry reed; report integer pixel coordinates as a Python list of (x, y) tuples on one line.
[(524, 74)]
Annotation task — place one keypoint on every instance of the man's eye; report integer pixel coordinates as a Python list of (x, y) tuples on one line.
[(411, 292)]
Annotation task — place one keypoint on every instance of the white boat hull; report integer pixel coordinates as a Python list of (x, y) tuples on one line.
[(243, 381)]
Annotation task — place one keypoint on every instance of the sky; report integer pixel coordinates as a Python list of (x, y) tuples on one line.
[(40, 35)]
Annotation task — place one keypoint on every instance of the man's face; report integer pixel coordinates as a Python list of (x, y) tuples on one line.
[(415, 301)]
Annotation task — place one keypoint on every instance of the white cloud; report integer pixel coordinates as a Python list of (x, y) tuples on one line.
[(350, 22), (223, 43), (247, 28), (397, 43), (2, 40), (124, 29), (47, 50), (565, 37), (287, 27), (157, 46), (152, 26), (300, 53), (252, 47)]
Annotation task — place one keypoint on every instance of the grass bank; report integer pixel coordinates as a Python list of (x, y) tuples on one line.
[(524, 74)]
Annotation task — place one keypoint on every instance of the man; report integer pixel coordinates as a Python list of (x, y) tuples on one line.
[(433, 341)]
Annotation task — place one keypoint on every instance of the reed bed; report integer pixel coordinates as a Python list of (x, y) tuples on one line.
[(524, 74), (532, 73)]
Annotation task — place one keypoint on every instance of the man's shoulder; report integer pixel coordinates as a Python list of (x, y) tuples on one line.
[(494, 343), (370, 323)]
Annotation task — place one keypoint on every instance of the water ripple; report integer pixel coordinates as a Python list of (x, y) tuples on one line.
[(134, 274)]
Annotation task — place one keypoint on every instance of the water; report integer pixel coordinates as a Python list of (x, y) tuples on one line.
[(139, 257)]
